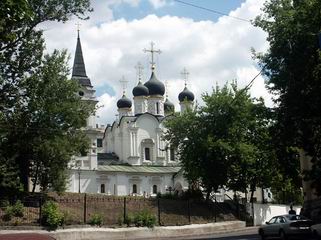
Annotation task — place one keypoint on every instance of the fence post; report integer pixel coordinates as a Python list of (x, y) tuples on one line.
[(40, 209), (159, 212), (125, 210), (215, 213), (85, 208), (189, 211)]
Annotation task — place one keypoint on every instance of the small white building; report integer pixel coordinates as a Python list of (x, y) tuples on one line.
[(129, 157)]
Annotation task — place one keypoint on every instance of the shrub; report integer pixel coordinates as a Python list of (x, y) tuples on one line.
[(144, 219), (51, 216), (8, 213), (129, 219), (96, 220), (15, 210)]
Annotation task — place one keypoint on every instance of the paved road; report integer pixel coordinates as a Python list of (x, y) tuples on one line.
[(25, 236), (248, 234)]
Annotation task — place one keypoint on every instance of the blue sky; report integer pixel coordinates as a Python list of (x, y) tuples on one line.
[(173, 8)]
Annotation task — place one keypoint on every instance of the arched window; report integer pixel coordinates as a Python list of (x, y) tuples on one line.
[(172, 154), (147, 154), (157, 108), (134, 188), (102, 188), (154, 189)]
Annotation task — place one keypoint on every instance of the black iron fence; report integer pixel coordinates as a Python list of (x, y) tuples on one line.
[(79, 208)]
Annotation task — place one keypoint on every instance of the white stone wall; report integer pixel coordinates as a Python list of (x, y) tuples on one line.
[(264, 212), (152, 105), (140, 105), (120, 184)]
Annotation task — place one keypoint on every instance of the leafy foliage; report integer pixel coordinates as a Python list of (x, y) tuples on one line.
[(225, 142), (96, 220), (38, 107), (15, 210), (292, 66), (144, 219), (51, 216)]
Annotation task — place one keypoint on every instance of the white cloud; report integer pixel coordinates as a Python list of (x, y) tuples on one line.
[(158, 3), (106, 108), (213, 52)]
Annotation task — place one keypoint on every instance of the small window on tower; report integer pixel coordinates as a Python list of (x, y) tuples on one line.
[(81, 93), (157, 108), (99, 142), (147, 154)]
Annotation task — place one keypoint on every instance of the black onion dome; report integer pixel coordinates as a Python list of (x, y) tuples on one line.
[(124, 102), (140, 90), (186, 94), (155, 87), (168, 106)]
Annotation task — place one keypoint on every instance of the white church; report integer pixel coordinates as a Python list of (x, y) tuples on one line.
[(129, 156)]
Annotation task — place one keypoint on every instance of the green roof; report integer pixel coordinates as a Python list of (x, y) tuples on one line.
[(138, 169)]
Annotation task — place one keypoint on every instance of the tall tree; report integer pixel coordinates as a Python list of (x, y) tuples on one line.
[(22, 103), (292, 66), (224, 142)]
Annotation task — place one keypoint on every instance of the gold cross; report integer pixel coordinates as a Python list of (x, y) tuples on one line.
[(152, 51), (139, 68), (78, 26), (185, 74), (123, 82)]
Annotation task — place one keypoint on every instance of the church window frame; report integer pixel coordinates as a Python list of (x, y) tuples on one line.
[(102, 188), (99, 142), (147, 154), (172, 154), (134, 189), (154, 189)]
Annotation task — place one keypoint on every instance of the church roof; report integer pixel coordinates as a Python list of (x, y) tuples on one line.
[(138, 169), (169, 106), (140, 90), (186, 95), (124, 102), (155, 87), (79, 69)]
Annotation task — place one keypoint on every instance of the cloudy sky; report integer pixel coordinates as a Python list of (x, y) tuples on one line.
[(213, 48)]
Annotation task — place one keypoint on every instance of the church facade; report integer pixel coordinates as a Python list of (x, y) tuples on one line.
[(129, 156)]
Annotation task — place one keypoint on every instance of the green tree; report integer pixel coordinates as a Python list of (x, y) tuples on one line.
[(293, 71), (225, 142), (30, 125)]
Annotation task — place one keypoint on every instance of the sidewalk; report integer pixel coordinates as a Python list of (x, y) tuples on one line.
[(134, 233)]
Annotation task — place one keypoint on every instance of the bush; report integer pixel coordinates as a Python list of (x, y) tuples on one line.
[(51, 216), (96, 220), (15, 210), (144, 219), (8, 213), (129, 219)]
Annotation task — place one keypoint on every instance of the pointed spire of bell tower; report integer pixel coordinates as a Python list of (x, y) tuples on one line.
[(79, 69)]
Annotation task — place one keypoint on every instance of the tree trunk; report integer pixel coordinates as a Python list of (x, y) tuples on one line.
[(35, 178), (208, 194)]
